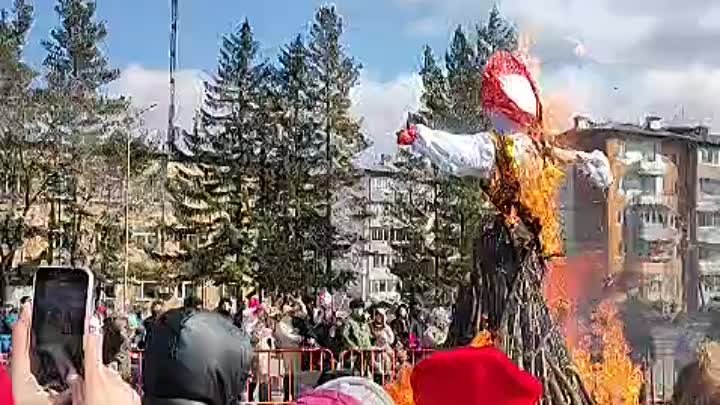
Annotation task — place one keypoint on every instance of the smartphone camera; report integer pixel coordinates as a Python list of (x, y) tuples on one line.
[(63, 301)]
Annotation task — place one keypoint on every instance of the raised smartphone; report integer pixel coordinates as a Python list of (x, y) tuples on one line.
[(63, 301)]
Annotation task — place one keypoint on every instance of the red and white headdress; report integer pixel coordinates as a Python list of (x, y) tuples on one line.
[(509, 92)]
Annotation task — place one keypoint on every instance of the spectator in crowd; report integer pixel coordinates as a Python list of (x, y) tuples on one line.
[(135, 317), (401, 326), (155, 310), (698, 383), (383, 338), (263, 342), (289, 338), (355, 330), (418, 324), (436, 332), (196, 357), (116, 345), (224, 307)]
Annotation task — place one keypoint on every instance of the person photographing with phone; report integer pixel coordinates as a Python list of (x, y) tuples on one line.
[(99, 386)]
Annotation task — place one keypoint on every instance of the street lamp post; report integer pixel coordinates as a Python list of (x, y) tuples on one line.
[(127, 210)]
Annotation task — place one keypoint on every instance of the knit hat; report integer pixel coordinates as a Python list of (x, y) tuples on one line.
[(473, 376), (196, 355)]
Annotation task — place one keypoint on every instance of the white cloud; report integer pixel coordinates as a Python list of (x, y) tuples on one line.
[(711, 20), (426, 26), (147, 87), (382, 105), (640, 57)]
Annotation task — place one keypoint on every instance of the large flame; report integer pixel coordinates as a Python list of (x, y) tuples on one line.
[(607, 372)]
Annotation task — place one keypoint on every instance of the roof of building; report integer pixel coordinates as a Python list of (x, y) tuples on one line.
[(691, 133)]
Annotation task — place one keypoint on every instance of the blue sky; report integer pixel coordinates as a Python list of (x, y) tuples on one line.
[(138, 30), (608, 59)]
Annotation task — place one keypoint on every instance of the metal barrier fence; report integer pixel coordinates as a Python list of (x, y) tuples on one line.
[(279, 376)]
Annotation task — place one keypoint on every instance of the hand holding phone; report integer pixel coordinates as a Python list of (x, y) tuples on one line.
[(63, 303), (99, 385)]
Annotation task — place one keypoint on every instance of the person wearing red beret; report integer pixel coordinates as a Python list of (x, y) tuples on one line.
[(473, 376), (6, 394)]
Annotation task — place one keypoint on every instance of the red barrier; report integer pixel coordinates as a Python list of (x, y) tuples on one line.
[(382, 365), (280, 376)]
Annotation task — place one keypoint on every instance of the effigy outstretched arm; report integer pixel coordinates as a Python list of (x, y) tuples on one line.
[(474, 155)]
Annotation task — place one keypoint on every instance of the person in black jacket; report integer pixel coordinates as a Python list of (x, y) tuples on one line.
[(196, 357)]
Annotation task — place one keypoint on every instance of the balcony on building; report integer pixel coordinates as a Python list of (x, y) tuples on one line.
[(708, 227), (709, 258)]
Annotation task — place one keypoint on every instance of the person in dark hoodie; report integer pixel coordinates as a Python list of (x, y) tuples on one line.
[(196, 357)]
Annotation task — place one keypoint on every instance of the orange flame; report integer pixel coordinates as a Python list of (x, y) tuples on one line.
[(400, 390), (613, 379)]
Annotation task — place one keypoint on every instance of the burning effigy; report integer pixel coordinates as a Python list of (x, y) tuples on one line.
[(522, 165)]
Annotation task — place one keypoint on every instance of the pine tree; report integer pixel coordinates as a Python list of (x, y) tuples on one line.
[(496, 34), (435, 104), (334, 73), (217, 182), (302, 151), (79, 121), (464, 91), (21, 169)]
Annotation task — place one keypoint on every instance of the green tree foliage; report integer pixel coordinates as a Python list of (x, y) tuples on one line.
[(334, 73), (217, 185), (20, 171), (442, 216), (80, 123)]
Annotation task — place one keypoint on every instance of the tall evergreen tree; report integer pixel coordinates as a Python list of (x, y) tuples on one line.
[(21, 166), (496, 34), (215, 190), (301, 148), (334, 73), (435, 104), (79, 123), (464, 92)]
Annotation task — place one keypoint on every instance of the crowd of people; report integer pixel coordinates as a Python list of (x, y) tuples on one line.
[(283, 332)]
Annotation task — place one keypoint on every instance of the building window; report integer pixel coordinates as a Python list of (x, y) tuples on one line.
[(380, 260), (145, 239), (711, 283), (633, 182), (184, 290), (376, 234), (147, 290), (708, 219), (710, 186), (646, 149), (710, 156)]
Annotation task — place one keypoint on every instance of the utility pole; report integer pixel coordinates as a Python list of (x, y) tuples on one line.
[(171, 114), (126, 270)]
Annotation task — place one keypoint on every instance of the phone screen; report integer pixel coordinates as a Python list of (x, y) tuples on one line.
[(59, 311)]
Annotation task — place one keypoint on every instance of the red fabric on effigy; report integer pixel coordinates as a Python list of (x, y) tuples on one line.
[(508, 89), (473, 376), (6, 394)]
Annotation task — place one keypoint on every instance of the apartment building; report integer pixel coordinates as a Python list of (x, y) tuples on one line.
[(657, 224), (374, 256)]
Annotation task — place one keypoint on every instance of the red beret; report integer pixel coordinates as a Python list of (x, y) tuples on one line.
[(473, 376), (6, 394)]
